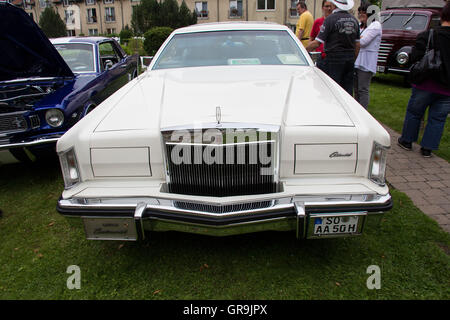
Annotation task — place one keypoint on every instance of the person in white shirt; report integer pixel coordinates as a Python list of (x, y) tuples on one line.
[(366, 62)]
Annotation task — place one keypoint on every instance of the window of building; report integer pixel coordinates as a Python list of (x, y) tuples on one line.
[(69, 16), (266, 5), (108, 1), (110, 14), (91, 15), (71, 33), (110, 30), (93, 32), (44, 3), (90, 2), (201, 8), (293, 9), (235, 8)]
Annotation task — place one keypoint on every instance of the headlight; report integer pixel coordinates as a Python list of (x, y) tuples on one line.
[(69, 167), (402, 58), (378, 164), (54, 117)]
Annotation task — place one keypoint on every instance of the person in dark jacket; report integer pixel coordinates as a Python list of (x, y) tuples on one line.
[(432, 93)]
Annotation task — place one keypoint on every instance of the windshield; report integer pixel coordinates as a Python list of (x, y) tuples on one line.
[(78, 56), (221, 48), (404, 21)]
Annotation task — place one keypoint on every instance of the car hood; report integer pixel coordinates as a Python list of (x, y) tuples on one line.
[(26, 50), (289, 96)]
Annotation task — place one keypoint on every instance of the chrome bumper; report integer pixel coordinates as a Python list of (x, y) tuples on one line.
[(37, 142), (279, 214)]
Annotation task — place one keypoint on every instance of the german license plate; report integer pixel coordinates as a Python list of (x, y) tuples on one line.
[(380, 68), (333, 225), (110, 229)]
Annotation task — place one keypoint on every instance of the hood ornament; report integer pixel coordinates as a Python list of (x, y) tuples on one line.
[(218, 115)]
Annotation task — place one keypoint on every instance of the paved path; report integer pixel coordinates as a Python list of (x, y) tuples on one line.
[(425, 180)]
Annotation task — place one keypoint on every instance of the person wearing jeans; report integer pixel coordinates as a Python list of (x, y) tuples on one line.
[(439, 108), (433, 93), (366, 62)]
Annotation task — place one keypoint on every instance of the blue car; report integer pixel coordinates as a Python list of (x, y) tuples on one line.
[(46, 86)]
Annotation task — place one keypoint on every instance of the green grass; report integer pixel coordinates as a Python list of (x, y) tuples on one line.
[(388, 100), (37, 246)]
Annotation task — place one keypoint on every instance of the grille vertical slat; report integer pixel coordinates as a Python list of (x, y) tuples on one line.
[(235, 175)]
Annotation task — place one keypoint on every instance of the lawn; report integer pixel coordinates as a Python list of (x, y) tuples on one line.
[(37, 246), (388, 101)]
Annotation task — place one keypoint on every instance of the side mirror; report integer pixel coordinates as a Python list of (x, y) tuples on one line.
[(315, 56), (145, 61), (108, 64)]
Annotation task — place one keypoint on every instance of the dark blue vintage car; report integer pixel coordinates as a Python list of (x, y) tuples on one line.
[(46, 87)]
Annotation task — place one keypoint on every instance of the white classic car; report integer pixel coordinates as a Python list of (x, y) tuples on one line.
[(231, 130)]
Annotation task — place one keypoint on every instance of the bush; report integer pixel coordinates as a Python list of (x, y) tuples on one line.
[(154, 38), (133, 46), (125, 35)]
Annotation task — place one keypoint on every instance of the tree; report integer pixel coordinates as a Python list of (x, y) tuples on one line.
[(167, 13), (145, 16), (186, 17), (170, 16), (52, 24)]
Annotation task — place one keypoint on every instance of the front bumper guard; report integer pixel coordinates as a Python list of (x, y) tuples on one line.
[(281, 214)]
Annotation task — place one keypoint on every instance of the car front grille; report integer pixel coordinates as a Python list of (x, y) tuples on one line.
[(384, 52), (10, 123), (222, 208), (221, 170)]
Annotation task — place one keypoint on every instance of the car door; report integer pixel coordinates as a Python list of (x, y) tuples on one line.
[(114, 67)]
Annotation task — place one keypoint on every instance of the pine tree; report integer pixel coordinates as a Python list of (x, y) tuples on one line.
[(170, 14), (52, 24)]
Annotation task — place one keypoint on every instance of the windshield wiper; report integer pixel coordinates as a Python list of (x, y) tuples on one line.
[(409, 19), (390, 15)]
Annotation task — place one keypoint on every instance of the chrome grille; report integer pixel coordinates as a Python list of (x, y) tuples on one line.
[(384, 51), (222, 169), (12, 123), (222, 208)]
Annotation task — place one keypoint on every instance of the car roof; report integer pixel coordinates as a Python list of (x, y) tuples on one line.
[(91, 40), (230, 26)]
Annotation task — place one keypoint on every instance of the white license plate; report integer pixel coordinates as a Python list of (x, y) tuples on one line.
[(110, 228), (335, 225), (381, 68)]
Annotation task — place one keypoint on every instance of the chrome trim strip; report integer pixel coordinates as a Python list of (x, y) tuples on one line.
[(30, 143), (398, 70)]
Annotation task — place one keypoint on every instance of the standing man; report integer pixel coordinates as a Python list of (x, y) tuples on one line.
[(304, 23), (326, 11), (340, 36)]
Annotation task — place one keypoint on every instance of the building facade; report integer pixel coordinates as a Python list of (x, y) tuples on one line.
[(95, 17)]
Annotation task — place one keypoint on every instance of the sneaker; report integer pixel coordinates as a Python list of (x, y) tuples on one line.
[(404, 145), (426, 153)]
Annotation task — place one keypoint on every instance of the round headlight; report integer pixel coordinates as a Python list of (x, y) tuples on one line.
[(54, 117), (402, 58)]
